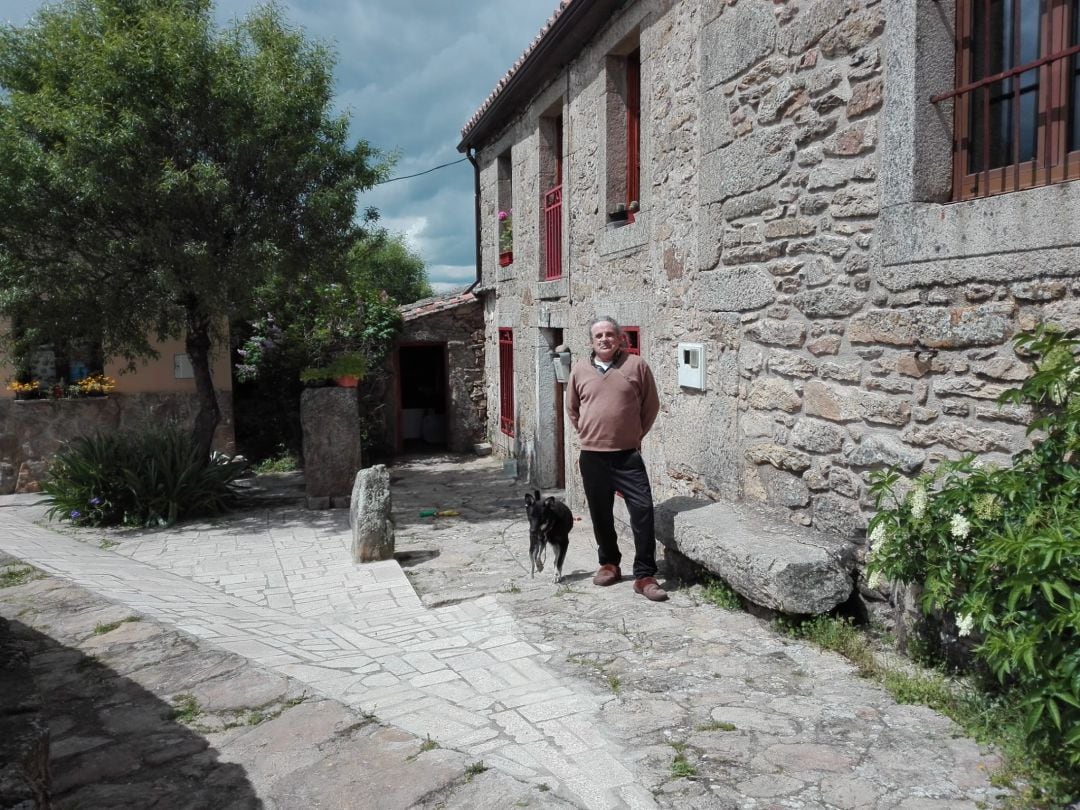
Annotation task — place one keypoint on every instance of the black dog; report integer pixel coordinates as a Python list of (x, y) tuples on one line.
[(550, 522)]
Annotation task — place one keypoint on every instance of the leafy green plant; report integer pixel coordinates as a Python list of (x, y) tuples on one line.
[(680, 765), (283, 462), (998, 551), (150, 479), (346, 365)]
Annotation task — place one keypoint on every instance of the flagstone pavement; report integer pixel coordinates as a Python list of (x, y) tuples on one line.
[(592, 697)]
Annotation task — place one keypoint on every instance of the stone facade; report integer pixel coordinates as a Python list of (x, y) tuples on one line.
[(794, 220), (32, 431)]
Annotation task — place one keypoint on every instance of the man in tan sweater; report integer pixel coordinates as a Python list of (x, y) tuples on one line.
[(612, 403)]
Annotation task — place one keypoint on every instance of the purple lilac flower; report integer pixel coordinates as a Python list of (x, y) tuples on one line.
[(75, 514), (242, 352), (95, 501)]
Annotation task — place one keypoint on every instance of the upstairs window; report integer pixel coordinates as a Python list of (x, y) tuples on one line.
[(1017, 117), (551, 173), (505, 217), (624, 131)]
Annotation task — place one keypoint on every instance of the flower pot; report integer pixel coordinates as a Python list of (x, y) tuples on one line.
[(506, 257), (347, 381)]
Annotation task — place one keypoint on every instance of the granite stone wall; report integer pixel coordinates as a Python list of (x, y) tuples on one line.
[(32, 431), (852, 318)]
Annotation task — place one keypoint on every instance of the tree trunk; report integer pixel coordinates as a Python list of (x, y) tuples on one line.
[(209, 414)]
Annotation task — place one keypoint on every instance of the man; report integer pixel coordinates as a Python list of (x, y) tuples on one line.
[(612, 403)]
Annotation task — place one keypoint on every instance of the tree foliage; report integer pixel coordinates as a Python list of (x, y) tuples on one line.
[(384, 263), (155, 172)]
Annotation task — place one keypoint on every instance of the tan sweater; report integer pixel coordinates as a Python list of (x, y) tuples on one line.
[(612, 411)]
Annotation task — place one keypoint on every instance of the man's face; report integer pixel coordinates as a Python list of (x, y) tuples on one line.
[(605, 340)]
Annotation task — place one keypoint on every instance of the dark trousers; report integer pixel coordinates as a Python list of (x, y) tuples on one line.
[(622, 470)]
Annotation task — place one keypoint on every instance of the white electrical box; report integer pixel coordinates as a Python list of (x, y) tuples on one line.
[(692, 365), (182, 369)]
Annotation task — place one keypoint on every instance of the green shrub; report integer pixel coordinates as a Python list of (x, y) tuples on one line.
[(998, 550), (150, 479)]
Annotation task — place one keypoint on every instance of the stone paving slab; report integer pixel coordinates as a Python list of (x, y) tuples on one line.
[(589, 693), (250, 738)]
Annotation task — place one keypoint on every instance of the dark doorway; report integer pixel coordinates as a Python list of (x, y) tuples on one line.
[(422, 397)]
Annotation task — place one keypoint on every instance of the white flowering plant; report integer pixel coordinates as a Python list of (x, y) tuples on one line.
[(997, 549)]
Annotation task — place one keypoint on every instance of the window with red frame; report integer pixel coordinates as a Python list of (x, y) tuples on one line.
[(506, 381), (1016, 114), (631, 339)]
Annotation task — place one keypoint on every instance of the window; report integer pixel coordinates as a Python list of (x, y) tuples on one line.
[(505, 225), (632, 339), (1017, 120), (551, 168), (506, 381), (624, 131)]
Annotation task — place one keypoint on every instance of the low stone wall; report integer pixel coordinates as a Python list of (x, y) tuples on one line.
[(32, 431)]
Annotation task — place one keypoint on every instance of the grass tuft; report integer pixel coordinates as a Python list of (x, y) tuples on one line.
[(102, 629), (719, 593), (185, 708), (13, 575)]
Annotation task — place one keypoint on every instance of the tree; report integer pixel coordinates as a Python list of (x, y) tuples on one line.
[(383, 262), (155, 172)]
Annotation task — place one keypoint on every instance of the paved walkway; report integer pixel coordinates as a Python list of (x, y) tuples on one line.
[(608, 700)]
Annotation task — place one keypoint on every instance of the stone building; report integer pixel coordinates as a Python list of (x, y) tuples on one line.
[(810, 201), (436, 399)]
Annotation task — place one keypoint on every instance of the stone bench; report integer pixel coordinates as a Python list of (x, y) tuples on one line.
[(765, 558)]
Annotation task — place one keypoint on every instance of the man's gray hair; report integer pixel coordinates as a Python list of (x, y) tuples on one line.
[(604, 319)]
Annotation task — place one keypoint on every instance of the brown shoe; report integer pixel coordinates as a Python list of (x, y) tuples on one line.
[(648, 587), (607, 575)]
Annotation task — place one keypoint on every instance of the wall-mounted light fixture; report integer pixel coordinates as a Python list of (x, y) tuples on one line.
[(561, 358)]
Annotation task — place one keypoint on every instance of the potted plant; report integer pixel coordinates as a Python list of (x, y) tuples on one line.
[(95, 385), (30, 389), (506, 237), (345, 370)]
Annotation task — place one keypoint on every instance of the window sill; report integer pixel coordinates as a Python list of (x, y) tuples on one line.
[(504, 273), (615, 242), (556, 288), (930, 244)]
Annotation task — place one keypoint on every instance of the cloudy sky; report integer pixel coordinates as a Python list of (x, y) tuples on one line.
[(410, 73)]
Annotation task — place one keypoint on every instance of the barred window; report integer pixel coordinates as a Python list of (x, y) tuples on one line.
[(1017, 120)]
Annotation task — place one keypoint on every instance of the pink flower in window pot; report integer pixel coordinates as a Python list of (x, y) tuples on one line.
[(506, 237)]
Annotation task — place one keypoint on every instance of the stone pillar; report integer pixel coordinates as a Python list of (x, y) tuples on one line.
[(369, 516), (330, 418)]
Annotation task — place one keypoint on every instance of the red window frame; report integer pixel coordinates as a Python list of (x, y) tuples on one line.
[(631, 342), (553, 201), (506, 381), (633, 131)]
